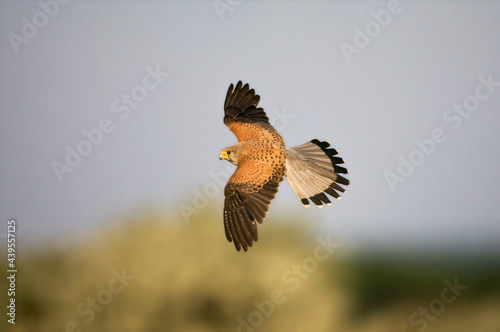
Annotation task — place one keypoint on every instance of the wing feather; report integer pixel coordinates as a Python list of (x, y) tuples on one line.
[(247, 201), (243, 117)]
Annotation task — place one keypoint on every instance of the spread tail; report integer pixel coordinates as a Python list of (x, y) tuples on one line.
[(313, 171)]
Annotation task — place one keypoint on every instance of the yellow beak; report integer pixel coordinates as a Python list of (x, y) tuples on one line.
[(223, 155)]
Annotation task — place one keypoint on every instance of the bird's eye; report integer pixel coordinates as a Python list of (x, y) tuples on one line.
[(228, 153)]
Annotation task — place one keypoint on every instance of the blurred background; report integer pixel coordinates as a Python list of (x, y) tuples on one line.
[(110, 133)]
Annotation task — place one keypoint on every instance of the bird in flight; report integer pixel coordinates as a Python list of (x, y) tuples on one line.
[(263, 161)]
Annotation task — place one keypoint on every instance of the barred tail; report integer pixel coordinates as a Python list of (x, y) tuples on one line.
[(313, 171)]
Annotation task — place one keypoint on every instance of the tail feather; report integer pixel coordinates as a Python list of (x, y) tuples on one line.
[(313, 170)]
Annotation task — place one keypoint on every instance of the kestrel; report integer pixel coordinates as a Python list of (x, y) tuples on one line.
[(263, 161)]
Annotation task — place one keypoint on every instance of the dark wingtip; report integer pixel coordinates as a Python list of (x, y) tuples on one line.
[(339, 169), (315, 141), (316, 200), (330, 152), (342, 180), (305, 201)]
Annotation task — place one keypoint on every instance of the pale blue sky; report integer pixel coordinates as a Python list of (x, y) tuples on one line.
[(394, 91)]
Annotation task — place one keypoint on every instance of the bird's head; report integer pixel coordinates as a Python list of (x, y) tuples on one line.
[(231, 154)]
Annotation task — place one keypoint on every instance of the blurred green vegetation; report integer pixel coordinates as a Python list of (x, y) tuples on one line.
[(384, 278), (186, 277)]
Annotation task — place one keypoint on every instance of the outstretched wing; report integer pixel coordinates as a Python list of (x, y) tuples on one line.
[(249, 193), (243, 117)]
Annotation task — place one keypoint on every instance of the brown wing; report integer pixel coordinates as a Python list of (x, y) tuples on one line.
[(249, 193), (242, 116)]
